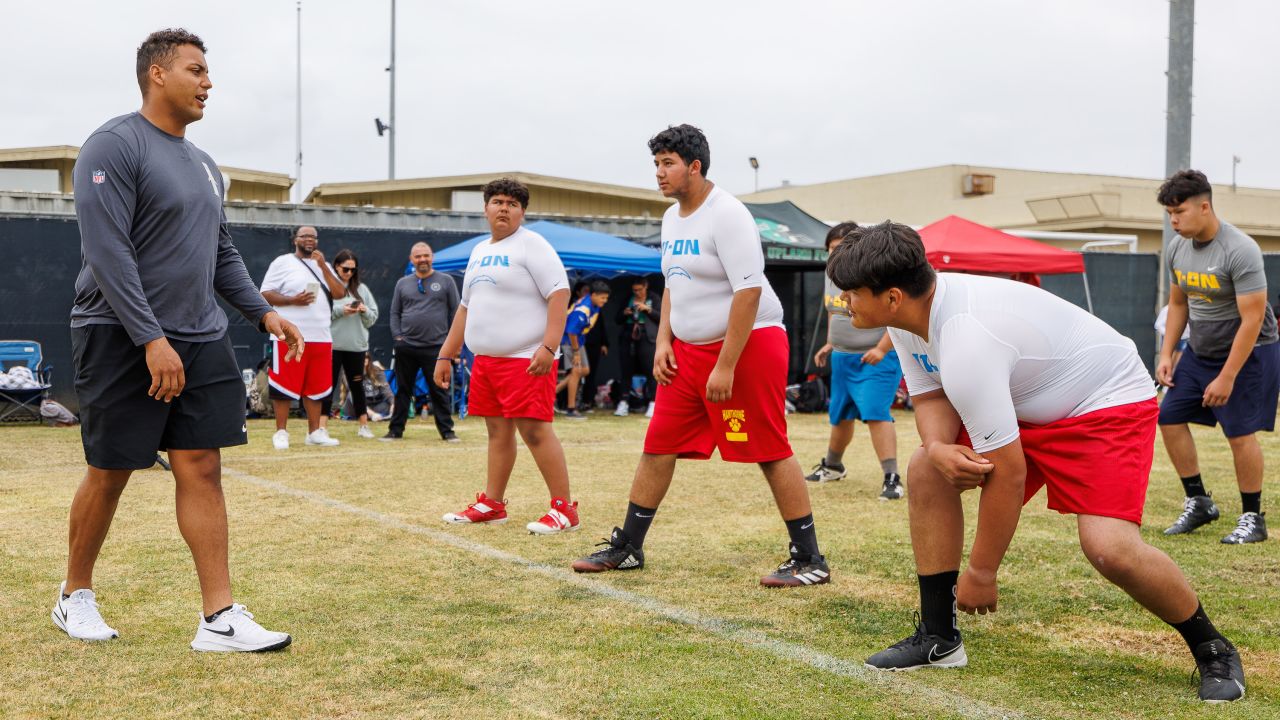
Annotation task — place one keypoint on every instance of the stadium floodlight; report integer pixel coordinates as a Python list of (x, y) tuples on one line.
[(755, 165), (380, 126)]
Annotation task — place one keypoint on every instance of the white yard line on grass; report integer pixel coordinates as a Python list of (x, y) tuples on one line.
[(896, 682)]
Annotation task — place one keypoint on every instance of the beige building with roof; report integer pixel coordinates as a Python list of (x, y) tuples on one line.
[(547, 195), (1024, 200), (54, 164)]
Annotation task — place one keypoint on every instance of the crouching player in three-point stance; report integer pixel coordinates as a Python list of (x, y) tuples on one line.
[(721, 363), (1014, 389)]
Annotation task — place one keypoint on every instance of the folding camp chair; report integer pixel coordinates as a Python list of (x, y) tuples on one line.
[(461, 381), (18, 402)]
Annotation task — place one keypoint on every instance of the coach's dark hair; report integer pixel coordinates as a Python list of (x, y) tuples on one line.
[(880, 257), (510, 187), (1182, 186), (353, 285), (600, 286), (840, 232), (686, 141), (160, 48)]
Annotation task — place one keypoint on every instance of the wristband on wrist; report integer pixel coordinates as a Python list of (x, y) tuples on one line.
[(553, 352), (444, 359)]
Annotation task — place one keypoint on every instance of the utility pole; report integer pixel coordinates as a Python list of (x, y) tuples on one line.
[(391, 141), (1182, 18), (1235, 160), (297, 157)]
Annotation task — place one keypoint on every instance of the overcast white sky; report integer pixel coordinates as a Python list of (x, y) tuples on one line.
[(818, 90)]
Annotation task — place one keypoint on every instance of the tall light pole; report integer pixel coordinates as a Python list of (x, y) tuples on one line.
[(755, 165), (297, 157), (391, 130), (1235, 160), (1182, 18)]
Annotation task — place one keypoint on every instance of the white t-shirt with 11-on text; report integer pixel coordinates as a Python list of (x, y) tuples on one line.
[(1004, 351), (505, 292), (706, 258)]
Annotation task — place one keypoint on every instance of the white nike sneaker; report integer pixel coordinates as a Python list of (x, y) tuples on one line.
[(365, 432), (649, 413), (235, 631), (78, 615), (622, 410), (321, 437), (280, 440)]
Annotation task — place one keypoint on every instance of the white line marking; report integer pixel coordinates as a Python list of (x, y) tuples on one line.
[(896, 682)]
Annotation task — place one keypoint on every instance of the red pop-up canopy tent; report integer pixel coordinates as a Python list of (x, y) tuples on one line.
[(954, 244)]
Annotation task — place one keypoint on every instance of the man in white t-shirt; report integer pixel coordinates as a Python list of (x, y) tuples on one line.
[(300, 285), (515, 296), (721, 363), (1015, 389)]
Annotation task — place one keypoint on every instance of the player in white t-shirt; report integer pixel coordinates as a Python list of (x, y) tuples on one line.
[(721, 363), (1015, 389), (298, 285), (515, 297)]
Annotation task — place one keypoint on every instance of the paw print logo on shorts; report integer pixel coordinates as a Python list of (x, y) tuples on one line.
[(736, 420)]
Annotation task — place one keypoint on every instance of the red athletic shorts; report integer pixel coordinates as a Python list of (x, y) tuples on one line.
[(750, 427), (1094, 464), (502, 387), (308, 376)]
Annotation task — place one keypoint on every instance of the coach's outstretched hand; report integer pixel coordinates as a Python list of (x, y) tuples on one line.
[(167, 374), (960, 465), (286, 332), (976, 591)]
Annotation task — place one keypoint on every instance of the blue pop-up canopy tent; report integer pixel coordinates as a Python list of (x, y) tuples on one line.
[(582, 251)]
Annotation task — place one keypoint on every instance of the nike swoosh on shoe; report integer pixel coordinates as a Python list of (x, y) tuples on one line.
[(935, 657), (229, 632)]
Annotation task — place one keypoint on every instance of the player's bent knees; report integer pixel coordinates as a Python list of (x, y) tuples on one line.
[(1116, 556), (922, 476)]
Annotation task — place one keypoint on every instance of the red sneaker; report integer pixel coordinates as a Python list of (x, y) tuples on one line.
[(562, 517), (483, 510)]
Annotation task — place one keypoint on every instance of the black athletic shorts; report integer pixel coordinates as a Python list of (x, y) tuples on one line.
[(122, 428)]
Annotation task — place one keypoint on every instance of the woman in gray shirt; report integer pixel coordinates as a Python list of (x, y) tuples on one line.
[(353, 315)]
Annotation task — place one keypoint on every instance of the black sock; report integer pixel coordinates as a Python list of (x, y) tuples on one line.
[(804, 539), (636, 526), (211, 618), (1194, 486), (938, 603), (1251, 502), (1197, 629)]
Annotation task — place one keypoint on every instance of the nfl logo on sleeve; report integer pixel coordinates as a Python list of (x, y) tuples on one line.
[(99, 177)]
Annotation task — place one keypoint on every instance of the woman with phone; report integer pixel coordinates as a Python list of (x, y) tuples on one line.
[(353, 315)]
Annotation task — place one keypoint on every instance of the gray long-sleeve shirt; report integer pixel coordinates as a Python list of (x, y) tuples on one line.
[(422, 318), (153, 237)]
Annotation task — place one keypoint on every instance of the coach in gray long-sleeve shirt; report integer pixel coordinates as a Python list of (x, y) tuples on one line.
[(422, 308), (155, 242)]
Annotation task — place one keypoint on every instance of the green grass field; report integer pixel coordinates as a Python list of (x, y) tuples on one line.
[(395, 614)]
